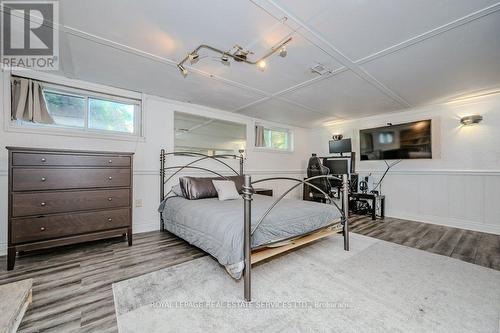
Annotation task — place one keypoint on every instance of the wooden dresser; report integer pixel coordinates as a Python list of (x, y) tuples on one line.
[(61, 197)]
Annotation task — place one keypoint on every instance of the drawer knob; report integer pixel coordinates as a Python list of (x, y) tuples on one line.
[(44, 159), (110, 219), (110, 199), (110, 178), (110, 161), (43, 179), (42, 228), (43, 204)]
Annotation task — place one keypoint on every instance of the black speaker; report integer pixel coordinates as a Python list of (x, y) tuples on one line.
[(353, 183), (353, 162)]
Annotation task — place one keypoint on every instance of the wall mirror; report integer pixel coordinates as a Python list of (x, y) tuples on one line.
[(209, 136)]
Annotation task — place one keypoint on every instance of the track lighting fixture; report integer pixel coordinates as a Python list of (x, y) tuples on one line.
[(283, 52), (337, 137), (193, 58), (237, 53), (262, 65), (183, 70)]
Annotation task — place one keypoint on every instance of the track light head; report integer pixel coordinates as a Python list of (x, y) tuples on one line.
[(225, 59), (262, 65), (183, 70), (283, 52), (194, 57)]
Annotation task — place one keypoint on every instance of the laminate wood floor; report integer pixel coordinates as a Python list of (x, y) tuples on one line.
[(471, 246), (72, 285)]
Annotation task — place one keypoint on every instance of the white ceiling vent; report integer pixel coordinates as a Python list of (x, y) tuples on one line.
[(321, 69)]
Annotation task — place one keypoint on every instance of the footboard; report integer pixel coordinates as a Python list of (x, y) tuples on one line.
[(249, 230)]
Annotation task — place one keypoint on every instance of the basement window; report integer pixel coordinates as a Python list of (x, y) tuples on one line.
[(73, 109), (273, 138)]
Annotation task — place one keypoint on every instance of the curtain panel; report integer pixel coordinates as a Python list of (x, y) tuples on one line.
[(28, 102), (260, 140)]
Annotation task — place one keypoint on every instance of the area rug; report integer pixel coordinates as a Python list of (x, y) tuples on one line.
[(376, 287)]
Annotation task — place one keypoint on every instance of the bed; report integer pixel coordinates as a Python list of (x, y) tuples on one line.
[(216, 226), (242, 232)]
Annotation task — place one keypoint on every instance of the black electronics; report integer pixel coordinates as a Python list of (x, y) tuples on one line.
[(363, 185), (353, 162), (340, 146), (353, 182), (338, 165), (402, 141)]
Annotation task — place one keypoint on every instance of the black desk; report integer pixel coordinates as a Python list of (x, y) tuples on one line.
[(373, 198)]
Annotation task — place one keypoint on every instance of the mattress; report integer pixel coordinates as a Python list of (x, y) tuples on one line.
[(216, 226)]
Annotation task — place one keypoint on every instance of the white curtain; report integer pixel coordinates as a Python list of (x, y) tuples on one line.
[(28, 102), (260, 140)]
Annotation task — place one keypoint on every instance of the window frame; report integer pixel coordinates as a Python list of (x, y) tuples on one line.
[(78, 89), (291, 138)]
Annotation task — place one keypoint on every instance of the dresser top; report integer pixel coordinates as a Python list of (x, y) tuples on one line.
[(66, 151)]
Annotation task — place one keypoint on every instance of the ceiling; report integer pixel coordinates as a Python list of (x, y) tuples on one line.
[(386, 55)]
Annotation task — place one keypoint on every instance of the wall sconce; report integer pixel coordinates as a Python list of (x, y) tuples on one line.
[(471, 120), (337, 137)]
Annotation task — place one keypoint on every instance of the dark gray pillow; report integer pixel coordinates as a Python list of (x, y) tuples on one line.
[(202, 187)]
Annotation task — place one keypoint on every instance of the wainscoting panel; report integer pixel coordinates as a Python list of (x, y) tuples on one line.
[(492, 200), (463, 199)]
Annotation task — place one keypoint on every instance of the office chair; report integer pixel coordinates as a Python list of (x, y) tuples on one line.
[(316, 168)]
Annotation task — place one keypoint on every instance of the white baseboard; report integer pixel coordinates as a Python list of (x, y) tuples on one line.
[(447, 221), (3, 249), (140, 227)]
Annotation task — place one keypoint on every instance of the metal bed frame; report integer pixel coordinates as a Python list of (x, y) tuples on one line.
[(247, 207)]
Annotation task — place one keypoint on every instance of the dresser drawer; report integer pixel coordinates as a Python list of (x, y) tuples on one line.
[(47, 227), (24, 204), (51, 179), (40, 159)]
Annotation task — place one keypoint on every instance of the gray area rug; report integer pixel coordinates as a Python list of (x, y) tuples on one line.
[(375, 287)]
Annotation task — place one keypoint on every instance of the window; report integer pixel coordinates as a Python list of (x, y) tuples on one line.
[(84, 110), (273, 138)]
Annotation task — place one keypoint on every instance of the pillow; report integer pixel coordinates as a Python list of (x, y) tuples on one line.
[(226, 190), (176, 189), (202, 187)]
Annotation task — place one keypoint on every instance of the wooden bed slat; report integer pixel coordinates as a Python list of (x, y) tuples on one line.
[(272, 251)]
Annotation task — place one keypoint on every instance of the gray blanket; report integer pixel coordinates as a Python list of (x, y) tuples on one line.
[(217, 226)]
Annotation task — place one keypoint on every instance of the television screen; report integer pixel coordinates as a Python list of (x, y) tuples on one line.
[(340, 146), (402, 141)]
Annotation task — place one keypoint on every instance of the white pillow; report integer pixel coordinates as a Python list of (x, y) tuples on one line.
[(176, 189), (226, 190)]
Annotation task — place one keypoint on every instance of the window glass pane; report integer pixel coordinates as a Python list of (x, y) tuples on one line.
[(66, 110), (111, 116), (268, 138), (276, 139), (279, 140)]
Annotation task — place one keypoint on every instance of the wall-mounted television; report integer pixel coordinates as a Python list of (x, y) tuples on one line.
[(402, 141)]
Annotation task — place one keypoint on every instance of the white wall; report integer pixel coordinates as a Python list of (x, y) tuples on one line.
[(159, 124), (459, 187)]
